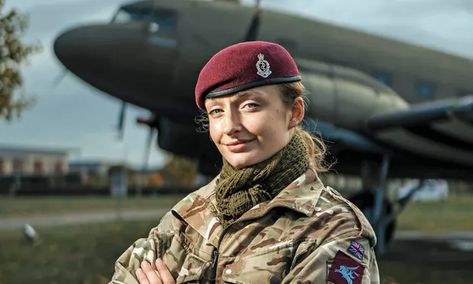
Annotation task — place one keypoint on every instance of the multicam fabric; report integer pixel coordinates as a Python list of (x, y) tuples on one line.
[(292, 238)]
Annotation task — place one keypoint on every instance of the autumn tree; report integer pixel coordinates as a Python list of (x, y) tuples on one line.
[(13, 54), (179, 171)]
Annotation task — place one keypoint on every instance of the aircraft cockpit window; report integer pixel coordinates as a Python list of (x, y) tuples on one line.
[(163, 28), (161, 24), (166, 21), (425, 90), (125, 15), (162, 20), (384, 78)]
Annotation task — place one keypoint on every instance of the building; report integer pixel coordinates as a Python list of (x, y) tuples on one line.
[(29, 161), (92, 172)]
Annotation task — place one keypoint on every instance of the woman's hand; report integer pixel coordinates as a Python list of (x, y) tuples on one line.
[(154, 274)]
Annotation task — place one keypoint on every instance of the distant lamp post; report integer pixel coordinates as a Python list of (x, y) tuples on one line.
[(118, 182)]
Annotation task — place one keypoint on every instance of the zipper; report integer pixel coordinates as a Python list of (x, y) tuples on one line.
[(214, 260)]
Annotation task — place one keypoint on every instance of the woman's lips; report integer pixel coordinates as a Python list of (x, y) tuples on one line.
[(237, 146)]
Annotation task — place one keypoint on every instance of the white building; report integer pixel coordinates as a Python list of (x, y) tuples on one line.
[(32, 161), (430, 190)]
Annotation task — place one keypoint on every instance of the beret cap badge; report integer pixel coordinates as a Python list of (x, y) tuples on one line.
[(262, 66)]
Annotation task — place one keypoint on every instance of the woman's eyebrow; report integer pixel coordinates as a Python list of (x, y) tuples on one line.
[(246, 95)]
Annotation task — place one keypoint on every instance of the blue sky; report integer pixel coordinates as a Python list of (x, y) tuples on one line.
[(77, 116)]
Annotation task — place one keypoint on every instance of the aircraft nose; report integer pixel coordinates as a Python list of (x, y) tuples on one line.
[(81, 50), (124, 60)]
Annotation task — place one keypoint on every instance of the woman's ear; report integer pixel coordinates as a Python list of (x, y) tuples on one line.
[(297, 112)]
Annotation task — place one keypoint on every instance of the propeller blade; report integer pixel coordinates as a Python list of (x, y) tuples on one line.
[(253, 30), (121, 121), (60, 78), (147, 152)]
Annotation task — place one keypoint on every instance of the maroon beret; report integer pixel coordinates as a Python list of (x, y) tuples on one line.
[(244, 66)]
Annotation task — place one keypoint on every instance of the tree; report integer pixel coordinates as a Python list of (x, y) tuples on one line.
[(12, 54), (179, 171)]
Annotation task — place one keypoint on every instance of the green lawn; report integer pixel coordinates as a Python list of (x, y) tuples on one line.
[(23, 206), (70, 254), (455, 213)]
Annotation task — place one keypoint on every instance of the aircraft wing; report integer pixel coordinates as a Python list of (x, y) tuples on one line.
[(431, 140), (460, 109)]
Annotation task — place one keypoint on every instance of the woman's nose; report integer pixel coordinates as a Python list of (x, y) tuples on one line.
[(232, 123)]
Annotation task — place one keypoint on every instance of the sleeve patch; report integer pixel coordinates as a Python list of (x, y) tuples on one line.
[(357, 250), (345, 270)]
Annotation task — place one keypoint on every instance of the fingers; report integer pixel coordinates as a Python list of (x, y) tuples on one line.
[(141, 276), (164, 272), (147, 274)]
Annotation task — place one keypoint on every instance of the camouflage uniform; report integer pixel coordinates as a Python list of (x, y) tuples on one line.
[(307, 234)]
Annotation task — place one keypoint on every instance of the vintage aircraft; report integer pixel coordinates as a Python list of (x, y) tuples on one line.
[(359, 86)]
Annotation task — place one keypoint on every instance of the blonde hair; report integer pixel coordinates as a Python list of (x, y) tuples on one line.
[(316, 146)]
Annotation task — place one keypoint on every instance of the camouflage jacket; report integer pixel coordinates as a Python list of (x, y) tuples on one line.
[(307, 234)]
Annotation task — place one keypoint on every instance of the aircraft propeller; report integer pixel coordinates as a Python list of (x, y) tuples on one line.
[(121, 121), (150, 122), (253, 29)]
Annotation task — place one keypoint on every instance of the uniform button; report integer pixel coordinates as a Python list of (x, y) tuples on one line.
[(228, 271)]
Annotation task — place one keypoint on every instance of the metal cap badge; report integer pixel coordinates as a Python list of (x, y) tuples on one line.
[(263, 66)]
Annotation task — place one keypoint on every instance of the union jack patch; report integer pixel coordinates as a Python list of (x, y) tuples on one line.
[(357, 250)]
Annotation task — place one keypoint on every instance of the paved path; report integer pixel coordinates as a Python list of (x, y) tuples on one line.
[(13, 223), (417, 235)]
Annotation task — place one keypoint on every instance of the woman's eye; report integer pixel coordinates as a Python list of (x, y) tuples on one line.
[(215, 111), (250, 106)]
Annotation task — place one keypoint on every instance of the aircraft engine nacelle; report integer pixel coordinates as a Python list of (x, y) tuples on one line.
[(345, 96)]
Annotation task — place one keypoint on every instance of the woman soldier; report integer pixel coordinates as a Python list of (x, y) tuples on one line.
[(266, 218)]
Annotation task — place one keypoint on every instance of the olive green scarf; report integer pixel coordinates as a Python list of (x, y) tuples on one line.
[(238, 190)]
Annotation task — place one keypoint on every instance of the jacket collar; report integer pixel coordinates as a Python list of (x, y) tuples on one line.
[(301, 196), (197, 209)]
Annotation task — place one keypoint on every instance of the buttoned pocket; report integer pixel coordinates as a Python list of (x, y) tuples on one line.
[(192, 269), (267, 264)]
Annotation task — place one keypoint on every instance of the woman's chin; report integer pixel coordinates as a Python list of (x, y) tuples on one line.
[(242, 162)]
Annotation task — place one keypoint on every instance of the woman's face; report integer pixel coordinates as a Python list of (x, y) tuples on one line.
[(250, 126)]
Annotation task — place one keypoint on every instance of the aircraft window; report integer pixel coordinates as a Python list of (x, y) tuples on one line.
[(129, 15), (384, 78), (162, 20), (166, 20), (425, 90)]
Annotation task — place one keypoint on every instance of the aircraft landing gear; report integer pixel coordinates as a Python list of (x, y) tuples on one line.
[(373, 202)]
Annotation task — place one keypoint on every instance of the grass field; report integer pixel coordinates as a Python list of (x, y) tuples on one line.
[(24, 206), (86, 253), (69, 254), (455, 213)]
